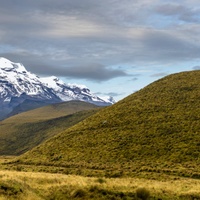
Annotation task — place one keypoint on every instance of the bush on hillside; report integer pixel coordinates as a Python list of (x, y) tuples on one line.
[(142, 193)]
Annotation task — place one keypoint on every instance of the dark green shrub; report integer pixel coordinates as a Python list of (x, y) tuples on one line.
[(101, 180), (78, 193), (10, 189), (190, 196), (142, 193)]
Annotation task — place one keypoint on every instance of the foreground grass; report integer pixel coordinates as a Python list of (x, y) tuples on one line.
[(37, 186)]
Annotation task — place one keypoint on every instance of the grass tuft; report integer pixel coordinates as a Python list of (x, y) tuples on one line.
[(142, 193)]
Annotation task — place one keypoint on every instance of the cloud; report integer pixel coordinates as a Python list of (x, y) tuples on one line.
[(92, 72), (179, 11), (95, 72), (112, 94), (134, 79), (196, 68), (159, 74)]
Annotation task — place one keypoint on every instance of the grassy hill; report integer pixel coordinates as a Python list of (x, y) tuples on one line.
[(50, 112), (24, 131), (156, 129)]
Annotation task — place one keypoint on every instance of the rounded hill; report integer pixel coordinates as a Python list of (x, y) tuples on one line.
[(155, 129)]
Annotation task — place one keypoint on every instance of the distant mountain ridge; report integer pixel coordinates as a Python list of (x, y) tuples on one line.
[(21, 90)]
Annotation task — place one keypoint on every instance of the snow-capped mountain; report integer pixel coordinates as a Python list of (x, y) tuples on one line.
[(68, 92), (20, 88), (15, 80)]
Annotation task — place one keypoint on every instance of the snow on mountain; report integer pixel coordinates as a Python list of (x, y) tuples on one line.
[(108, 99), (70, 91), (17, 85), (15, 80)]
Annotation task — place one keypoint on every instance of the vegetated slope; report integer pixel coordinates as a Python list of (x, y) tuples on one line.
[(24, 131), (154, 129), (39, 186), (50, 112)]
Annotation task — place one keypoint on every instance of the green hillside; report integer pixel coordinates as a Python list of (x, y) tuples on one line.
[(24, 131), (49, 112), (156, 129)]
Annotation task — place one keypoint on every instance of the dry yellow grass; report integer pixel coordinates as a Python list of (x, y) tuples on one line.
[(39, 185)]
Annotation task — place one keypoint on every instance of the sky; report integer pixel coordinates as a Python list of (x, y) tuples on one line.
[(113, 47)]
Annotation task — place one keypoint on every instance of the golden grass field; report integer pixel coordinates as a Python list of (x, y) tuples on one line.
[(37, 186)]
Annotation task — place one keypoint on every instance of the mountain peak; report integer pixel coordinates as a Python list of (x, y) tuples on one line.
[(6, 64)]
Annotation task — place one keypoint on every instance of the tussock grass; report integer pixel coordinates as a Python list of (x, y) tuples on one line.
[(30, 185)]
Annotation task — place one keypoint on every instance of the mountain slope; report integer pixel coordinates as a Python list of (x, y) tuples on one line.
[(50, 112), (156, 128), (21, 90), (24, 131)]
